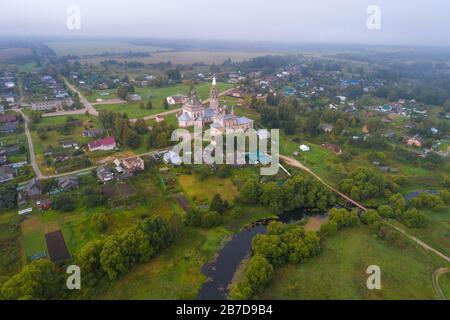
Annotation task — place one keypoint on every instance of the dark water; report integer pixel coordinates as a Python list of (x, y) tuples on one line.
[(414, 194), (220, 272)]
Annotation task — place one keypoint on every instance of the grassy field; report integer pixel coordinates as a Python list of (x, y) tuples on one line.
[(437, 231), (175, 274), (157, 95), (203, 191), (54, 137), (339, 272), (10, 251), (94, 47), (186, 57)]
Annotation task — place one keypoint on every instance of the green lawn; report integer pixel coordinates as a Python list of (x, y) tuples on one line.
[(175, 274), (444, 283), (437, 231), (203, 191), (339, 271), (54, 137), (157, 95)]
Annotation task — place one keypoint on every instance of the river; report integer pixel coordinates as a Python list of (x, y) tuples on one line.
[(220, 271)]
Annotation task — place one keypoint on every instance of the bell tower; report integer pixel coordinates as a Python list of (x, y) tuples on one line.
[(214, 96)]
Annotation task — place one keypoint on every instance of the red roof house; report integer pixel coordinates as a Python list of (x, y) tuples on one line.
[(108, 143)]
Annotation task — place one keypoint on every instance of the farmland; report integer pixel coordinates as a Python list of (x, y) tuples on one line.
[(185, 57), (81, 48)]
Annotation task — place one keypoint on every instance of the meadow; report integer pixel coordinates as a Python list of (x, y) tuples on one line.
[(339, 271), (94, 47), (53, 137), (157, 95), (185, 57)]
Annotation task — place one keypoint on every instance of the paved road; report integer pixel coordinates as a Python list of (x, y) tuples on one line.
[(33, 162)]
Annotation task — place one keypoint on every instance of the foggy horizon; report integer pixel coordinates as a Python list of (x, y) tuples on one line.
[(403, 23)]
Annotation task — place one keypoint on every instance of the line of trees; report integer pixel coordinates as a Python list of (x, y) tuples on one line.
[(283, 243), (296, 192), (365, 183), (117, 254), (98, 259)]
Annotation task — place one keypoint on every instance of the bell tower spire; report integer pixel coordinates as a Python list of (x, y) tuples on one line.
[(214, 96)]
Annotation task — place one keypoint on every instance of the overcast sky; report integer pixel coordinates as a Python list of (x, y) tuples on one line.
[(413, 22)]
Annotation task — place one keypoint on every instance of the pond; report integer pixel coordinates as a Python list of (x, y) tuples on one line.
[(220, 272)]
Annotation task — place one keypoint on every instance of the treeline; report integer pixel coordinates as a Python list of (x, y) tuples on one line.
[(364, 183), (131, 134), (296, 192), (407, 212), (208, 217), (283, 243), (115, 255), (338, 219), (98, 259)]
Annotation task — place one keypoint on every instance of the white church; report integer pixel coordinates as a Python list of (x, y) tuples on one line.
[(220, 118)]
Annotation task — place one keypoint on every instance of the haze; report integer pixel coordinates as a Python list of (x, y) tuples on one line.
[(404, 22)]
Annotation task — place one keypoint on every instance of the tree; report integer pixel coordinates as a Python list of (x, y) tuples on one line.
[(7, 197), (113, 258), (64, 202), (386, 212), (250, 192), (369, 217), (100, 221), (140, 126), (397, 203), (312, 241), (272, 248), (88, 259), (93, 197), (165, 104), (328, 229), (272, 196), (257, 275), (133, 140), (217, 204), (413, 218), (36, 281)]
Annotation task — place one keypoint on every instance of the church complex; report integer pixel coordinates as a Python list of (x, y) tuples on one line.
[(220, 118)]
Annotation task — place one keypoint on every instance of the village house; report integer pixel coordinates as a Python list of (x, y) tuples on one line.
[(415, 141), (68, 183), (326, 127), (93, 133), (47, 105), (8, 118), (44, 204), (6, 173), (135, 97), (32, 190), (335, 148), (66, 144), (9, 127), (105, 174), (133, 165), (105, 144)]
